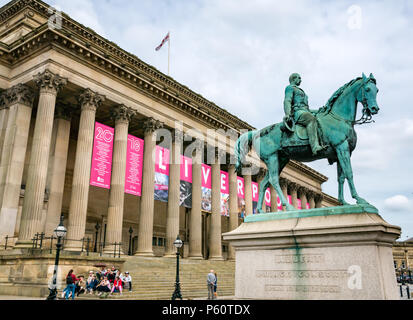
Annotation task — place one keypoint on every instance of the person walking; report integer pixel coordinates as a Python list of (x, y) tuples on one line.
[(210, 283), (71, 285), (215, 285)]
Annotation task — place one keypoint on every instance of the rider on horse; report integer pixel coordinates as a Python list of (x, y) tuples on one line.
[(297, 111)]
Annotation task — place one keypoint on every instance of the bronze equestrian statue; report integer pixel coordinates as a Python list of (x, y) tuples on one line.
[(307, 135)]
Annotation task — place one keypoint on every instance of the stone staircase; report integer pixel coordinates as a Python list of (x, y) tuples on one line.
[(154, 278)]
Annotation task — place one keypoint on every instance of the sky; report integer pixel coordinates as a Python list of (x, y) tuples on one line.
[(240, 53)]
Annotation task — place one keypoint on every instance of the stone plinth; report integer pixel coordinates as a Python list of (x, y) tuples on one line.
[(340, 253)]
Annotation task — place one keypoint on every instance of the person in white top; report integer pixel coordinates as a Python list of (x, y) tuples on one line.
[(127, 280)]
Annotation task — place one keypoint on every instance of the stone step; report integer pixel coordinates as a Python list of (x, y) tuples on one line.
[(154, 278)]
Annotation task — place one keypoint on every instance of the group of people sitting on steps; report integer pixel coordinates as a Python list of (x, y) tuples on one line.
[(105, 282)]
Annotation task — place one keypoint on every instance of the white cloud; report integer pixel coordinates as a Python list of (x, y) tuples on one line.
[(398, 203)]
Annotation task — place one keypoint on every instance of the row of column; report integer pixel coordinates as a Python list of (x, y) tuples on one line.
[(48, 166)]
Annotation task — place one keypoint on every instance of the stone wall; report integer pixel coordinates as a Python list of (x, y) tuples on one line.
[(26, 273)]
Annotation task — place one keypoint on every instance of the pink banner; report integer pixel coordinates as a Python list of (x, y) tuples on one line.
[(102, 156), (268, 197), (255, 193), (162, 160), (224, 193), (240, 188), (161, 174), (279, 204), (134, 165), (206, 176), (186, 169), (224, 182)]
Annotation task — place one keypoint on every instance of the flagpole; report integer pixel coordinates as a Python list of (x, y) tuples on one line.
[(169, 51)]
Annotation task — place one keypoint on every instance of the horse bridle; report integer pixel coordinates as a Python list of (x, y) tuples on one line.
[(366, 116)]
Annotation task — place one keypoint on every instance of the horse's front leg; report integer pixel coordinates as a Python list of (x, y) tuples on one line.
[(343, 154), (341, 178)]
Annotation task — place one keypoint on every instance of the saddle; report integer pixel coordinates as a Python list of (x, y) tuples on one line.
[(294, 135), (298, 137)]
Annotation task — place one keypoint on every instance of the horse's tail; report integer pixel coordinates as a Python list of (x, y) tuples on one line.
[(242, 147)]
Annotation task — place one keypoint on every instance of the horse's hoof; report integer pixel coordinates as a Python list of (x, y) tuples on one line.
[(260, 211), (289, 207), (362, 201)]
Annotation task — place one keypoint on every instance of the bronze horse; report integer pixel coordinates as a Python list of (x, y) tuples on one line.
[(336, 122)]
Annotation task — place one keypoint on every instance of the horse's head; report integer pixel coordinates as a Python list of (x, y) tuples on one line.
[(367, 96)]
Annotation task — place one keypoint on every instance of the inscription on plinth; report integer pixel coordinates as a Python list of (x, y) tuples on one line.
[(307, 273)]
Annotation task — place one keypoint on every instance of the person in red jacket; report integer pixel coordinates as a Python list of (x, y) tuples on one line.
[(71, 285), (117, 284)]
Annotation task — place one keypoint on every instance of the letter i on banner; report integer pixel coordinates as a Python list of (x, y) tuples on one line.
[(206, 184), (101, 168), (186, 182)]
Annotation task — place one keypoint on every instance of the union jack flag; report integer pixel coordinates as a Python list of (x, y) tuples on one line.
[(163, 42)]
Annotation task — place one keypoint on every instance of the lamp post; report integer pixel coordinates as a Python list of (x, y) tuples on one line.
[(130, 241), (59, 232), (177, 293), (97, 227)]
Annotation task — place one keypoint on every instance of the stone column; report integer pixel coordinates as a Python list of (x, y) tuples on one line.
[(284, 188), (274, 204), (20, 99), (57, 166), (172, 220), (49, 84), (215, 232), (318, 200), (248, 194), (302, 193), (89, 102), (4, 106), (122, 116), (195, 221), (145, 229), (310, 197), (233, 206), (293, 187)]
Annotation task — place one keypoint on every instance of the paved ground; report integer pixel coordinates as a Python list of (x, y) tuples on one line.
[(19, 298)]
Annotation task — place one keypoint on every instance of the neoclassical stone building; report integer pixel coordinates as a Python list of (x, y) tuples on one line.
[(57, 80)]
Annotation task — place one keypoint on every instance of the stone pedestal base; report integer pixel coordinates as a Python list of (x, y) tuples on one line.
[(340, 253)]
